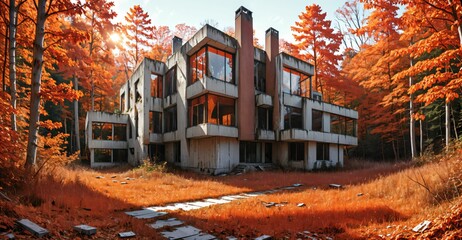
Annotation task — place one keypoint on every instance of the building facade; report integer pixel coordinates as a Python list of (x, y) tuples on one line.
[(218, 102)]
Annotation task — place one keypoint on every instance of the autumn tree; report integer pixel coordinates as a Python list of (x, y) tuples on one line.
[(319, 44), (138, 32), (351, 18)]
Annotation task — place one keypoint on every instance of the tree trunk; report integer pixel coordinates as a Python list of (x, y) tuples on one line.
[(76, 117), (12, 57), (5, 59), (37, 65), (421, 137), (447, 124), (412, 121)]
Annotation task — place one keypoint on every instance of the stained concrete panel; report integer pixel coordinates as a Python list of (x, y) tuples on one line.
[(181, 232), (33, 227), (171, 222)]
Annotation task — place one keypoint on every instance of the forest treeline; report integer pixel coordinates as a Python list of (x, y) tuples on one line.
[(397, 62)]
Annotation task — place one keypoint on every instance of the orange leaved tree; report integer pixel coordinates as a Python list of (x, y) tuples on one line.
[(319, 44)]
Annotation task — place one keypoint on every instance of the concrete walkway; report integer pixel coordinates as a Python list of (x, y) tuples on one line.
[(182, 231)]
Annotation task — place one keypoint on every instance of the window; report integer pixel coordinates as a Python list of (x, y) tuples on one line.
[(255, 152), (296, 151), (129, 95), (110, 155), (337, 124), (156, 152), (177, 152), (351, 126), (260, 76), (170, 81), (170, 119), (293, 118), (264, 118), (120, 132), (212, 109), (322, 151), (296, 83), (212, 62), (156, 86), (102, 155), (122, 102), (136, 122), (197, 64), (155, 122), (316, 123)]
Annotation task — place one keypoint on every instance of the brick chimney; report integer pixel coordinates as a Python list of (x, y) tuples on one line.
[(245, 73), (176, 44)]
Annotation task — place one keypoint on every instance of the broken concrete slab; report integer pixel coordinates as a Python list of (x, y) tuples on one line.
[(421, 227), (99, 177), (123, 183), (171, 222), (32, 227), (297, 184), (127, 234), (288, 188), (165, 208), (301, 205), (201, 204), (200, 236), (181, 232), (7, 236), (145, 214), (186, 207), (254, 194), (337, 186), (85, 229), (231, 238), (264, 237), (217, 201), (359, 194), (269, 204), (229, 198)]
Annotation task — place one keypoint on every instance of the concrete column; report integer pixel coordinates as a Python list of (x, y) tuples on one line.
[(245, 74), (272, 50)]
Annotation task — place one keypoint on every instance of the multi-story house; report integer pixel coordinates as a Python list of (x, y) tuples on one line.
[(218, 102)]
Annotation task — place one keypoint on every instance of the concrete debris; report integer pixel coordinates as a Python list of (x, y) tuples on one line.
[(145, 214), (200, 236), (268, 205), (223, 175), (264, 237), (186, 207), (201, 204), (231, 238), (337, 186), (7, 236), (85, 229), (181, 232), (32, 227), (114, 181), (127, 234), (171, 222), (114, 176), (123, 183), (99, 177), (297, 185), (359, 194), (421, 227), (301, 205)]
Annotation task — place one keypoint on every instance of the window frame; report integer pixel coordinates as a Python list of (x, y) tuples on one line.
[(298, 91), (295, 150), (171, 81), (219, 104), (193, 75)]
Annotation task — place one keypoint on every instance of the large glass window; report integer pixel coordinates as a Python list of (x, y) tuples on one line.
[(296, 83), (212, 109), (293, 118), (170, 81), (215, 63), (197, 64), (316, 123), (322, 151), (109, 131), (351, 127), (260, 76), (264, 118), (170, 119), (102, 155), (337, 124), (155, 122), (296, 151), (110, 155), (156, 152), (156, 85), (177, 152)]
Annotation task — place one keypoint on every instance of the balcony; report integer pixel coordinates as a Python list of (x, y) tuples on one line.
[(156, 138), (170, 100), (171, 136), (208, 84), (294, 134), (264, 100), (211, 130), (156, 104), (305, 135), (267, 135)]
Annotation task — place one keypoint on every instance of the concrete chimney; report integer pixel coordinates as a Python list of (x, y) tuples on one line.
[(176, 44), (272, 50), (245, 74)]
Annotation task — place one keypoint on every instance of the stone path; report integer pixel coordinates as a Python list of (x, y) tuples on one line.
[(182, 231)]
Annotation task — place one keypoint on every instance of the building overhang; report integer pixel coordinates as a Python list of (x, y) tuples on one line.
[(293, 135), (264, 100), (207, 84), (267, 135), (211, 130)]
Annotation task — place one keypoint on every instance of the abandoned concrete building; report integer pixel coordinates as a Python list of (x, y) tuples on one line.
[(219, 102)]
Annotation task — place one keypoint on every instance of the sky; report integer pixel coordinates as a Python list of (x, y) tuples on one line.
[(278, 14)]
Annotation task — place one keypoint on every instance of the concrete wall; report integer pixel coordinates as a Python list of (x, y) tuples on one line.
[(213, 155)]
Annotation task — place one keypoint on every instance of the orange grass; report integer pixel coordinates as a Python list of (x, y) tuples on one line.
[(388, 204)]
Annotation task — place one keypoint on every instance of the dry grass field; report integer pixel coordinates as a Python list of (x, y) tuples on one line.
[(376, 200)]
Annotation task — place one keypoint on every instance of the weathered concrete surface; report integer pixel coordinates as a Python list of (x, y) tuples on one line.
[(85, 229), (33, 227)]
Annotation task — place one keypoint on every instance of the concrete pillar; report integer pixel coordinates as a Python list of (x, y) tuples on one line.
[(245, 74), (176, 44), (271, 49)]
